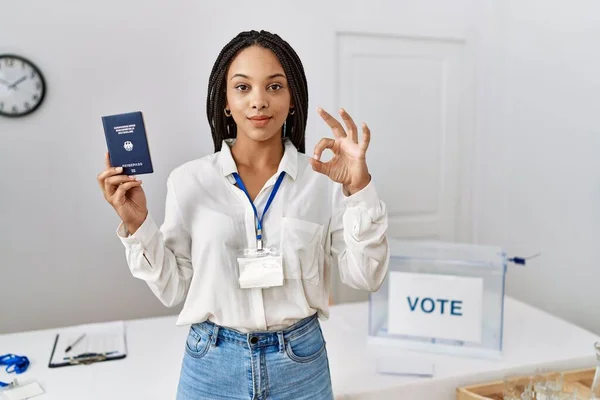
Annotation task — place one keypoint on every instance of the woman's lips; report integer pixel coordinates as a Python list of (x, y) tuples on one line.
[(259, 121)]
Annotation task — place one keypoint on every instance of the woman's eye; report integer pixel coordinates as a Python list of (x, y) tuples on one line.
[(275, 86), (242, 87)]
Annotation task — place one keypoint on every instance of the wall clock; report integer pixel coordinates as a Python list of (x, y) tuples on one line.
[(22, 86)]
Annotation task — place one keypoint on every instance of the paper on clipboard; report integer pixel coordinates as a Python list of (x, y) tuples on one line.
[(106, 339)]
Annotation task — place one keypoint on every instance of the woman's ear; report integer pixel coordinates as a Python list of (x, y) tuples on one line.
[(226, 109)]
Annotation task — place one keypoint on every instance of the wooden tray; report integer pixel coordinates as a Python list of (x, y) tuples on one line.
[(578, 379)]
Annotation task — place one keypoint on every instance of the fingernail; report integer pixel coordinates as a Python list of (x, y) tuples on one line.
[(119, 169), (132, 177), (316, 157)]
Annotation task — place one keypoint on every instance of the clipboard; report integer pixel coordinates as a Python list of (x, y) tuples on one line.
[(97, 343)]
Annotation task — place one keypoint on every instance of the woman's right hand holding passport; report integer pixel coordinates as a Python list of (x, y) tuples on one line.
[(125, 194)]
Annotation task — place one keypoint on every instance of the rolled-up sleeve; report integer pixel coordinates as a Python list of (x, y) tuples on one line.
[(359, 243), (161, 257)]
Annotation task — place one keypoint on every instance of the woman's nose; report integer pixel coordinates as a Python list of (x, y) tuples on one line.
[(259, 101)]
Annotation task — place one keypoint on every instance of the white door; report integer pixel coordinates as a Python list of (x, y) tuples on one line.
[(415, 91)]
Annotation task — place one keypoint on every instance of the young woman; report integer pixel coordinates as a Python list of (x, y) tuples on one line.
[(250, 232)]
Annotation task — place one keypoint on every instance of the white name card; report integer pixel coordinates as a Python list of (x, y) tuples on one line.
[(435, 306)]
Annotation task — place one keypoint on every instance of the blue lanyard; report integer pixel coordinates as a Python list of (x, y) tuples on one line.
[(14, 363), (271, 197)]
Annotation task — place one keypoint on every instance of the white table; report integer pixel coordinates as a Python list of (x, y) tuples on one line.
[(151, 370)]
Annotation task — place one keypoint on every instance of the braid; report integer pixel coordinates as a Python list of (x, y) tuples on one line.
[(223, 127)]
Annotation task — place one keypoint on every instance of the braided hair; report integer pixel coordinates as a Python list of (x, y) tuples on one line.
[(224, 127)]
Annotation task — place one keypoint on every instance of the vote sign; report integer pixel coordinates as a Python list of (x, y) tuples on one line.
[(435, 306)]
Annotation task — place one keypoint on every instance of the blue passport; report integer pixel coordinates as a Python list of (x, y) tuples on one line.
[(127, 143)]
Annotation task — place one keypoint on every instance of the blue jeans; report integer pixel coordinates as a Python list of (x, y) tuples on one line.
[(222, 363)]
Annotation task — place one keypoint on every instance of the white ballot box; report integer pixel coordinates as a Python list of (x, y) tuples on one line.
[(441, 297)]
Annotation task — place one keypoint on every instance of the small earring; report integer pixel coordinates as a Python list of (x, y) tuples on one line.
[(293, 110), (227, 111)]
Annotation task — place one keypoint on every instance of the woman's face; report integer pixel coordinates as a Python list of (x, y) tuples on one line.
[(258, 94)]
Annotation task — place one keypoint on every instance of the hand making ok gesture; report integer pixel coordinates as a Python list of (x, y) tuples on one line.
[(348, 165)]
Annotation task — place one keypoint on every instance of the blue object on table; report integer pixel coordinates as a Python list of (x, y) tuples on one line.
[(14, 363)]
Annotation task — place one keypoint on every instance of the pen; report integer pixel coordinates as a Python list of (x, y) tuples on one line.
[(77, 341)]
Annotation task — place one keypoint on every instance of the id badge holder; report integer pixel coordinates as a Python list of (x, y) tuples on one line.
[(260, 268)]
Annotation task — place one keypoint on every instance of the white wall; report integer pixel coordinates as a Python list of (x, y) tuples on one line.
[(535, 189), (538, 169)]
